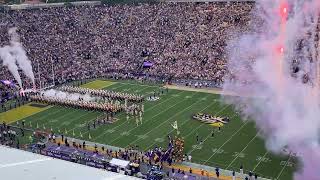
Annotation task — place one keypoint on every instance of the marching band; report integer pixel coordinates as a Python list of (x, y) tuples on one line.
[(103, 93)]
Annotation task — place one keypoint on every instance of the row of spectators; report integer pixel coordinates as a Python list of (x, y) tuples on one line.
[(181, 40)]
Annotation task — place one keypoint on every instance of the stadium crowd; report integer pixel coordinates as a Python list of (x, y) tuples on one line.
[(180, 40)]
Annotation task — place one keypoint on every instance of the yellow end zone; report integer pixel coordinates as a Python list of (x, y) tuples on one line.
[(98, 84), (20, 113)]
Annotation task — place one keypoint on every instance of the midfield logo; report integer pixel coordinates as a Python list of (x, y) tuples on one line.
[(210, 119)]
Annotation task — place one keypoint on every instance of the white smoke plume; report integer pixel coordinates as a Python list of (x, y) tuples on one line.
[(67, 96), (9, 61), (20, 54), (278, 64)]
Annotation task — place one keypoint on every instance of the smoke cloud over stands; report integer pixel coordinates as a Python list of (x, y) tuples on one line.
[(14, 55), (20, 54), (9, 61)]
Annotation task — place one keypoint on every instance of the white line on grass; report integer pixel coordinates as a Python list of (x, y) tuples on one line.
[(45, 115), (78, 117), (68, 113), (193, 149), (217, 113), (285, 165), (86, 122), (255, 167), (242, 151), (165, 121), (138, 84), (140, 90), (112, 89), (181, 125), (202, 124), (226, 141), (145, 112)]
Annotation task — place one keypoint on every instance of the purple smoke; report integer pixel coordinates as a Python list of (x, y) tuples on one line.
[(284, 85)]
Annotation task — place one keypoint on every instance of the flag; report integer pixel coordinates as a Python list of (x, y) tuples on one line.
[(30, 138), (175, 125), (89, 136), (6, 82)]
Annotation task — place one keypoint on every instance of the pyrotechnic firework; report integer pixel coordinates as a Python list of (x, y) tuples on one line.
[(278, 62)]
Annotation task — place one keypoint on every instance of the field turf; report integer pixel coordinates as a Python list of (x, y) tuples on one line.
[(237, 143)]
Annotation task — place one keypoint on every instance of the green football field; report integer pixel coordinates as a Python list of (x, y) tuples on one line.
[(237, 143)]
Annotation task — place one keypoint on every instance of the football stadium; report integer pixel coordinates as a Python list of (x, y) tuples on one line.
[(121, 89)]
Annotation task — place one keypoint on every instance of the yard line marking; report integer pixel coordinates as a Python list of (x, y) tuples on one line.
[(221, 110), (112, 89), (142, 89), (45, 115), (138, 84), (148, 119), (260, 161), (242, 151), (284, 166), (145, 112), (193, 148), (86, 122), (68, 113), (78, 117), (226, 141), (181, 125), (166, 120)]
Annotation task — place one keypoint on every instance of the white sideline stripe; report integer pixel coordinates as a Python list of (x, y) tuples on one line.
[(145, 121), (255, 167), (226, 141), (242, 151), (23, 163)]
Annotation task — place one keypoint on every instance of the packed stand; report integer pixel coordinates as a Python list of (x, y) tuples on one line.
[(180, 40)]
